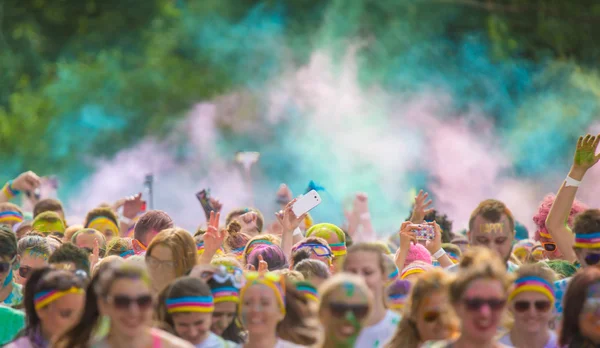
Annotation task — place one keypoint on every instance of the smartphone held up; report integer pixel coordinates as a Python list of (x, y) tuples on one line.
[(306, 203)]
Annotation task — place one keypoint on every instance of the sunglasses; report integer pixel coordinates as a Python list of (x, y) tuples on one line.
[(25, 271), (339, 310), (592, 259), (317, 249), (431, 316), (540, 306), (6, 266), (476, 303), (143, 302), (549, 246)]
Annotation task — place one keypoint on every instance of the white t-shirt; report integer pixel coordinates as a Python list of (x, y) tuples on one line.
[(216, 341), (552, 342), (378, 334)]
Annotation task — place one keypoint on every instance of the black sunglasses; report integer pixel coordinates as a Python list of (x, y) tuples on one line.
[(476, 303), (592, 259), (339, 310), (6, 266), (540, 306), (124, 302)]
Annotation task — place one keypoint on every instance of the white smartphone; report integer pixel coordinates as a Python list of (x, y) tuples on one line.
[(306, 203)]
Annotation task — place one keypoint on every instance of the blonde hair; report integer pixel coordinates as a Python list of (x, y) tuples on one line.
[(290, 274), (433, 281), (478, 263), (181, 244), (226, 260), (70, 231)]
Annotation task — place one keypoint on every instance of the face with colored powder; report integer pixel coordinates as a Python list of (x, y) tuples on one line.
[(223, 316), (344, 314), (6, 265), (28, 262), (56, 228), (260, 310), (433, 317), (497, 236), (589, 319), (106, 226)]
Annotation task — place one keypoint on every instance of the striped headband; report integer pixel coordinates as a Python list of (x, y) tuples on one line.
[(102, 223), (587, 240), (397, 301), (127, 253), (9, 191), (411, 270), (197, 304), (309, 291), (453, 257), (11, 216), (256, 242), (200, 249), (338, 249), (394, 274), (532, 283), (226, 294), (271, 280), (44, 298)]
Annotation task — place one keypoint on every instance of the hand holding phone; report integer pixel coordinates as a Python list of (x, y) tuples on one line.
[(424, 232), (306, 203)]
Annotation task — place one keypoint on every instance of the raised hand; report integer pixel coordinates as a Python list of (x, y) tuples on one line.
[(284, 194), (288, 220), (213, 238), (407, 235), (263, 266), (132, 206), (421, 208), (28, 181), (585, 154)]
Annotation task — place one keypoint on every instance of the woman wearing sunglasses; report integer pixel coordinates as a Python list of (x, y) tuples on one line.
[(171, 254), (369, 262), (532, 304), (54, 301), (428, 316), (582, 311), (345, 306), (275, 313), (478, 295), (10, 292), (185, 308), (119, 293), (32, 253), (225, 284)]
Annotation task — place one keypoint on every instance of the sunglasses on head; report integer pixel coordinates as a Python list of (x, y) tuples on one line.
[(318, 249), (431, 316), (476, 303), (549, 246), (540, 306), (6, 266), (592, 259), (339, 310), (143, 302)]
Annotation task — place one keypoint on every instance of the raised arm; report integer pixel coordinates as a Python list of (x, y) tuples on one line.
[(27, 181), (556, 222)]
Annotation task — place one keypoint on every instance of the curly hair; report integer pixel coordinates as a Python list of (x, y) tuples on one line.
[(542, 213), (442, 220)]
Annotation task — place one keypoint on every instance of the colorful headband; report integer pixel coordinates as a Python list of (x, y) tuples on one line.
[(102, 223), (9, 191), (588, 240), (338, 249), (308, 290), (254, 243), (44, 298), (239, 250), (545, 234), (197, 304), (271, 280), (412, 270), (532, 283), (393, 275), (200, 249), (453, 257), (48, 227), (127, 253), (226, 294), (397, 301), (11, 216)]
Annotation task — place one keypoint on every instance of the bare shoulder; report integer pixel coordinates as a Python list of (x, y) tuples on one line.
[(168, 340)]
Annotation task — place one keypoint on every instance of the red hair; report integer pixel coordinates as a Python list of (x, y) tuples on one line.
[(542, 213)]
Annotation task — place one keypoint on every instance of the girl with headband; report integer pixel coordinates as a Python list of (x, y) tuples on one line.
[(478, 296), (185, 308), (54, 301), (10, 292), (275, 313), (427, 314), (334, 236), (531, 303), (11, 215), (346, 303), (225, 284), (367, 261), (397, 295), (119, 294)]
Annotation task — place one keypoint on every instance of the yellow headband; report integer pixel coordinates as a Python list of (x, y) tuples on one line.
[(102, 224), (44, 298), (411, 271), (46, 227)]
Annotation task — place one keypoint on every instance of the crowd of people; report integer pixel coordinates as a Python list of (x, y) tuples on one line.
[(130, 278)]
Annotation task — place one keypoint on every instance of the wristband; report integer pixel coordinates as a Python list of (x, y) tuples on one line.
[(298, 232), (569, 181), (439, 253), (9, 191)]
